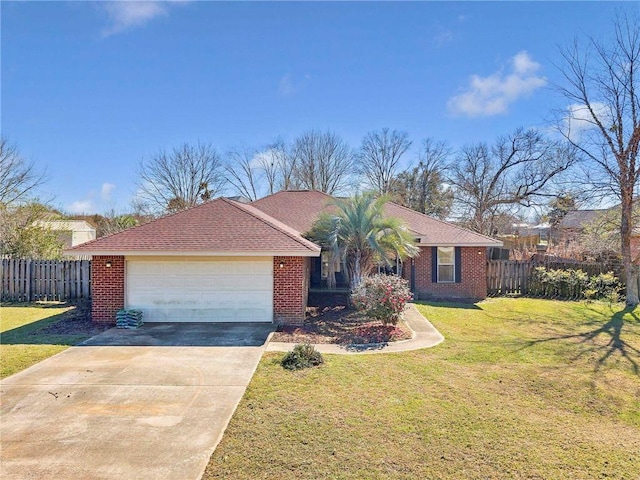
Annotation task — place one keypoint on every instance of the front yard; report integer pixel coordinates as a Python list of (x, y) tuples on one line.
[(520, 388), (31, 332)]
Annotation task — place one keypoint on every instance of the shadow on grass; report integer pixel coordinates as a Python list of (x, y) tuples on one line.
[(612, 332), (65, 328), (464, 306)]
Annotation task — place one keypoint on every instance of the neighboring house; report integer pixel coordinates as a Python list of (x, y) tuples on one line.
[(70, 232), (527, 237), (229, 261), (574, 223)]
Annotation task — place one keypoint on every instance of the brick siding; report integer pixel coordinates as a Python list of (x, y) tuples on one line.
[(107, 285), (290, 289), (473, 285)]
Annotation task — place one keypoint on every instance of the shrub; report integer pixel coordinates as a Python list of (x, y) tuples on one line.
[(302, 356), (606, 285), (382, 297), (575, 284)]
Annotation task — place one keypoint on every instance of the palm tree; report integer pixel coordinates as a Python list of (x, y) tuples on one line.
[(360, 236)]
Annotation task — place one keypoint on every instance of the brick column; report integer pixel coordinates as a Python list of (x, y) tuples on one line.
[(107, 288), (290, 289)]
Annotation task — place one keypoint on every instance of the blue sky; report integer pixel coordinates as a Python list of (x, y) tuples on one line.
[(91, 88)]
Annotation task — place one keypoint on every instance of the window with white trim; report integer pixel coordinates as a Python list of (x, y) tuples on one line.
[(446, 265)]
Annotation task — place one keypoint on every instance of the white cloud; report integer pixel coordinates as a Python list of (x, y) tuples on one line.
[(105, 191), (443, 37), (81, 206), (579, 119), (288, 86), (492, 95), (127, 14), (285, 86)]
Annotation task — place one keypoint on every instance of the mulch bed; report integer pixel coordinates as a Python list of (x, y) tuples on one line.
[(76, 321), (342, 326)]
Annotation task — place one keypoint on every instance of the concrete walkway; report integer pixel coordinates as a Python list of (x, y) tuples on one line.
[(425, 335), (129, 404)]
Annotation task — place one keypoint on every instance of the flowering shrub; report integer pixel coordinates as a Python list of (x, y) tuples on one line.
[(382, 297)]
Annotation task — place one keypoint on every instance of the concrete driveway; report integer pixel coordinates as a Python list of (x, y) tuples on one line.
[(146, 403)]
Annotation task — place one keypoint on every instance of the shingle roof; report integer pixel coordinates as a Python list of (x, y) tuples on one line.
[(221, 226), (300, 209), (578, 219), (297, 208), (437, 232)]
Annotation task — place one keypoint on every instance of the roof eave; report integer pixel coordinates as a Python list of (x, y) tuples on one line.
[(195, 253), (496, 243)]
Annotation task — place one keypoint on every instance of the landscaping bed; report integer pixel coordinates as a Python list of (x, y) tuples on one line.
[(75, 321), (343, 326)]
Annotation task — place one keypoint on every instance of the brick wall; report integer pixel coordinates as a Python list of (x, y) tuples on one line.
[(107, 284), (290, 289), (473, 270)]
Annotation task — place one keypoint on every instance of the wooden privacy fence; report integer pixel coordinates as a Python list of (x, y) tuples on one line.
[(45, 280), (512, 277)]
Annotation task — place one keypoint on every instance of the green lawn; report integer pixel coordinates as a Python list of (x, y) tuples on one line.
[(520, 388), (21, 342)]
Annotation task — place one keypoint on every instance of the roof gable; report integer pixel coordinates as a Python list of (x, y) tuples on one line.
[(221, 226)]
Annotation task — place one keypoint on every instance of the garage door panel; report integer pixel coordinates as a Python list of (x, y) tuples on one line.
[(198, 291)]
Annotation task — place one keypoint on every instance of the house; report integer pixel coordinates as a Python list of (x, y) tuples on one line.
[(573, 224), (70, 232), (225, 261), (452, 260)]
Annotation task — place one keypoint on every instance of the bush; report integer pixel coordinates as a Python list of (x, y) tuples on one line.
[(382, 297), (607, 286), (575, 284), (302, 356)]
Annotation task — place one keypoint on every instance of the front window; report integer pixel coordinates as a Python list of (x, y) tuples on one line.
[(446, 264)]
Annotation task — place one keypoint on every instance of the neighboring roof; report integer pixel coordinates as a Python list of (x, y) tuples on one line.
[(218, 227), (68, 225), (301, 208), (579, 218)]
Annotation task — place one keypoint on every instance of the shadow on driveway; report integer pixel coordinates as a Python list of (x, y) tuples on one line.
[(185, 335)]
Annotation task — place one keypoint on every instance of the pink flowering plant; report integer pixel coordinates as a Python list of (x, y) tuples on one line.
[(382, 297)]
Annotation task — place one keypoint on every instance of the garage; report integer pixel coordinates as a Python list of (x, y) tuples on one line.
[(220, 261), (182, 289)]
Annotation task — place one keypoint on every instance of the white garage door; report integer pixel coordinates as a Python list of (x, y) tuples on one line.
[(235, 290)]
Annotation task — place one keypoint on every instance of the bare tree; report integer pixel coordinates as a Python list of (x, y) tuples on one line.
[(322, 161), (379, 156), (278, 167), (600, 82), (182, 178), (243, 173), (421, 187), (18, 178), (491, 181), (112, 222)]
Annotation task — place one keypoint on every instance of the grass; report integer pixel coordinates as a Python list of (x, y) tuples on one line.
[(520, 389), (22, 339)]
